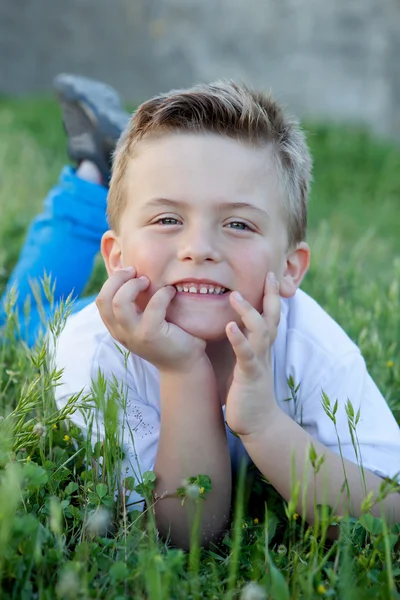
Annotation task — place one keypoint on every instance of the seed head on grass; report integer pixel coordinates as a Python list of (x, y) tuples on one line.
[(39, 430)]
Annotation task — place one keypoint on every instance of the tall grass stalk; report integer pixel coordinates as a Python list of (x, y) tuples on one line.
[(237, 532)]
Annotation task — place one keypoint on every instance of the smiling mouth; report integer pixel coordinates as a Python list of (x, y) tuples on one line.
[(203, 289)]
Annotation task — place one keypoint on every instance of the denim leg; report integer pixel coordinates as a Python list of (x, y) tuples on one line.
[(61, 242)]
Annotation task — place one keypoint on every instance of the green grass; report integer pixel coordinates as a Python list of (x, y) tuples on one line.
[(62, 533)]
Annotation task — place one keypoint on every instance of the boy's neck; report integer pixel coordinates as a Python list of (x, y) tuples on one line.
[(222, 359)]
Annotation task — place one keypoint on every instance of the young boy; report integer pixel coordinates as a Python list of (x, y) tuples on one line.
[(207, 208)]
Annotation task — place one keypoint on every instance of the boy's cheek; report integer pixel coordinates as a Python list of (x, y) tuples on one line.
[(144, 297), (255, 299), (142, 300)]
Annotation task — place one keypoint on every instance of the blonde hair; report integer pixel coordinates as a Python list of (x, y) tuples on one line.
[(228, 109)]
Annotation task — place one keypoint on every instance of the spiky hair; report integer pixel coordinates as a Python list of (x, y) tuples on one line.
[(228, 109)]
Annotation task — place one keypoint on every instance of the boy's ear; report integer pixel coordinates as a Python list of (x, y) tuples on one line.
[(297, 263), (111, 251)]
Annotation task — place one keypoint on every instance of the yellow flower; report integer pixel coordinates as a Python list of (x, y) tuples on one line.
[(28, 459), (201, 490), (244, 526), (321, 589), (390, 363), (295, 516), (55, 426), (66, 438), (256, 521)]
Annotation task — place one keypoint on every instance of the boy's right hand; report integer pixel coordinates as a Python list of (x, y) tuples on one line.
[(147, 333)]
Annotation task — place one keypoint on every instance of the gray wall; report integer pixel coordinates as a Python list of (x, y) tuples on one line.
[(336, 58)]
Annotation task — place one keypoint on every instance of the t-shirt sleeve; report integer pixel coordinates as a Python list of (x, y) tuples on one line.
[(376, 441), (103, 366)]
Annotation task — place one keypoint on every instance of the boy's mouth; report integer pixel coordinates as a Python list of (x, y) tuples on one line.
[(206, 289)]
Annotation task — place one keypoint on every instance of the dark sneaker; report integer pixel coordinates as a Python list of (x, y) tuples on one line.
[(93, 118)]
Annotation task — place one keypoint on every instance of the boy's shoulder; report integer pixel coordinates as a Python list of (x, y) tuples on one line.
[(307, 324), (311, 348), (84, 331), (83, 347)]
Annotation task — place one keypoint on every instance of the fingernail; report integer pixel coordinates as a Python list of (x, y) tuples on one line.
[(237, 296), (143, 278), (128, 269), (271, 277)]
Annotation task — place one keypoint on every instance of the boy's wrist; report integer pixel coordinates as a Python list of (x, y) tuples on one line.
[(188, 369), (274, 419), (197, 383)]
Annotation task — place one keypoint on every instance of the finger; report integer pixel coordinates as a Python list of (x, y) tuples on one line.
[(271, 306), (245, 355), (153, 318), (125, 310), (252, 320), (108, 291), (113, 283)]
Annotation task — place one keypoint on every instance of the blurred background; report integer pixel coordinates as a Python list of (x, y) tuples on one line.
[(335, 59), (336, 65)]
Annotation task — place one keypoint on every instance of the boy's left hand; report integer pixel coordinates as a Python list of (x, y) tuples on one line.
[(251, 404)]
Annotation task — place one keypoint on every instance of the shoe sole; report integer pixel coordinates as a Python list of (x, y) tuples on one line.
[(99, 101), (101, 105)]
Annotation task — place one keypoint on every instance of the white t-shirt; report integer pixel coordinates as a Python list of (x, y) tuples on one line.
[(310, 347)]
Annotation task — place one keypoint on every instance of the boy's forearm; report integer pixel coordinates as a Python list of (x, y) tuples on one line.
[(285, 444), (192, 441)]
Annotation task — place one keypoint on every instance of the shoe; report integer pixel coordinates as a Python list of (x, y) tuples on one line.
[(93, 118)]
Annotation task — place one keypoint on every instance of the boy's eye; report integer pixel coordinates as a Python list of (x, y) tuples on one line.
[(242, 226), (168, 221)]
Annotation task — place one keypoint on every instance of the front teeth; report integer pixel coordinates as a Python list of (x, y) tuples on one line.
[(203, 290)]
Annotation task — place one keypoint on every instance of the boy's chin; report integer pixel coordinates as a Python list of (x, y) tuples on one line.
[(210, 333)]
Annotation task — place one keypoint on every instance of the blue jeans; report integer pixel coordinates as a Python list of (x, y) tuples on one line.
[(62, 242)]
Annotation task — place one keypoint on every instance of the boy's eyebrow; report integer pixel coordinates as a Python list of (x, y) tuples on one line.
[(232, 205)]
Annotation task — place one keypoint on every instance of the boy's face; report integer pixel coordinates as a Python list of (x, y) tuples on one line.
[(202, 207)]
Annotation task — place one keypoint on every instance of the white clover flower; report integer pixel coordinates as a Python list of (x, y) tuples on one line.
[(98, 521), (39, 430), (253, 591), (192, 491), (68, 585), (282, 550)]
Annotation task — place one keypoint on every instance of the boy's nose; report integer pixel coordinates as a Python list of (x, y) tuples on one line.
[(198, 246)]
